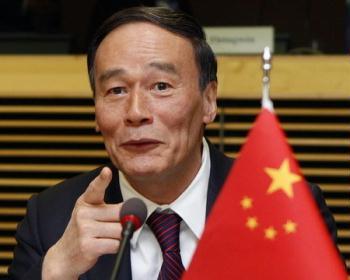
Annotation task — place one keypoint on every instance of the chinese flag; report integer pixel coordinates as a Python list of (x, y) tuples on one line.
[(265, 223)]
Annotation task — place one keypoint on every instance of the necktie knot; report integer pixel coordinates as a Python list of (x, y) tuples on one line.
[(166, 228)]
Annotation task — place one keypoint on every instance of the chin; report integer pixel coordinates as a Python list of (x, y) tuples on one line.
[(141, 168), (142, 173)]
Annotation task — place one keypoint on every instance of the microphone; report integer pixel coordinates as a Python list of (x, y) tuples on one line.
[(132, 216)]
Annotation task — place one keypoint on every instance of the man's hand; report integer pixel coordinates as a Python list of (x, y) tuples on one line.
[(93, 230)]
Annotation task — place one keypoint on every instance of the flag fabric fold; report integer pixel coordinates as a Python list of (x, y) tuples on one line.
[(265, 223)]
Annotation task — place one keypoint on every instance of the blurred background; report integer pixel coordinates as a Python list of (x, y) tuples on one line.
[(47, 113), (63, 26)]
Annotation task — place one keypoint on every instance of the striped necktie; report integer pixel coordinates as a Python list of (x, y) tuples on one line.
[(166, 228)]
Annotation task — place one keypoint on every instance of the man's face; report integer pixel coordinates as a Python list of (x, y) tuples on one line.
[(149, 107)]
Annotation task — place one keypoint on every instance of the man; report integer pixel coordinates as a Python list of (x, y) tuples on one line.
[(154, 81)]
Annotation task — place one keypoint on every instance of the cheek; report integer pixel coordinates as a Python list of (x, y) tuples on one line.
[(106, 119), (182, 117)]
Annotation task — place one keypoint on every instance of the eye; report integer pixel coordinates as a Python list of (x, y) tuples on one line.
[(117, 90), (161, 86)]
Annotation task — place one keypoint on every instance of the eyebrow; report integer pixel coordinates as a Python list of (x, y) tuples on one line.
[(115, 72)]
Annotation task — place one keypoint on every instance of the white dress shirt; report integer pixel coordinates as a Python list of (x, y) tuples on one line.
[(146, 255)]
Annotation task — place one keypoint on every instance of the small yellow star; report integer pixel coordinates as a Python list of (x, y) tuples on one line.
[(252, 223), (270, 233), (290, 227), (246, 202), (282, 179)]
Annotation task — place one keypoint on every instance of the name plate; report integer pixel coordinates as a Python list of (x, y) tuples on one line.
[(240, 40)]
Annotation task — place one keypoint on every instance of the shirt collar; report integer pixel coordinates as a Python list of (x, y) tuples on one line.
[(190, 205)]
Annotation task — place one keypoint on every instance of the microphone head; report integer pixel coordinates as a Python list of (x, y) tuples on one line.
[(134, 210)]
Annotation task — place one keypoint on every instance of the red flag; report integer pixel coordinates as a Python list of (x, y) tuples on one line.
[(265, 223)]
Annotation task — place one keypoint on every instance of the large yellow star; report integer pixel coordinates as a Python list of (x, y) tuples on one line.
[(282, 179)]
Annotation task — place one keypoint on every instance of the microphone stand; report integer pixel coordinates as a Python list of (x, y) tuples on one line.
[(127, 233)]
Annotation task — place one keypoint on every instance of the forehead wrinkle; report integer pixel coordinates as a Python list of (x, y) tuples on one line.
[(111, 73), (165, 67)]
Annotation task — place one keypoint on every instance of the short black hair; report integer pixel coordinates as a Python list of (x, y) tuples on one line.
[(174, 21)]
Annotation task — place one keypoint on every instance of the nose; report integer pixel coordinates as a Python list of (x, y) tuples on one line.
[(137, 111)]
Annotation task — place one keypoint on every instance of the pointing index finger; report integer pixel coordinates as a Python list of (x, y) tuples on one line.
[(95, 192)]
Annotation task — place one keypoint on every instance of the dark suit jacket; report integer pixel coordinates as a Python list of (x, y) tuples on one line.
[(49, 212)]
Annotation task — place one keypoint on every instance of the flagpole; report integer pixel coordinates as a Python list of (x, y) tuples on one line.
[(266, 67)]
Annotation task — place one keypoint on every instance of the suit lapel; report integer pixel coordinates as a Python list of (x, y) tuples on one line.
[(104, 265), (220, 167)]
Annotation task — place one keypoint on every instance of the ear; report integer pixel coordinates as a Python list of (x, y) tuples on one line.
[(97, 128), (209, 102)]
